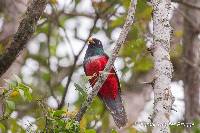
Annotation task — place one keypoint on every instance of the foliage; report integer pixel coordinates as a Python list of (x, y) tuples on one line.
[(56, 121), (14, 90), (57, 124)]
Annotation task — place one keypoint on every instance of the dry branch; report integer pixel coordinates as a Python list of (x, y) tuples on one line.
[(126, 28), (25, 31)]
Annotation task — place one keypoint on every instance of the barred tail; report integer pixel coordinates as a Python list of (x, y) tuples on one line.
[(116, 108)]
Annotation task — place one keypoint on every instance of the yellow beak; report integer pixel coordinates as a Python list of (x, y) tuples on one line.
[(90, 41)]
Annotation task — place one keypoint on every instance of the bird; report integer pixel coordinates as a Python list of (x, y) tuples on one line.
[(110, 93)]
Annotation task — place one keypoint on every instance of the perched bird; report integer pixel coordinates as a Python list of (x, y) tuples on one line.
[(94, 63)]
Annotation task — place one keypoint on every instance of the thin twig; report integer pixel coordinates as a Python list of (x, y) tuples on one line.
[(48, 62), (77, 14), (68, 40), (74, 66), (126, 28)]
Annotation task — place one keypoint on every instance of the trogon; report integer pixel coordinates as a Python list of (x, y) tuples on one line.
[(110, 92)]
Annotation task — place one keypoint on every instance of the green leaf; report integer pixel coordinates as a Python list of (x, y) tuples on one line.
[(10, 104), (58, 113), (72, 126), (2, 127), (61, 123), (27, 91), (12, 84), (28, 95), (43, 28)]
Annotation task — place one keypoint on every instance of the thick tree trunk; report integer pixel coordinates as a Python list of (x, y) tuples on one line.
[(191, 56), (163, 98)]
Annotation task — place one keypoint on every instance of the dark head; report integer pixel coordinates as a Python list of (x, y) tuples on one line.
[(95, 47)]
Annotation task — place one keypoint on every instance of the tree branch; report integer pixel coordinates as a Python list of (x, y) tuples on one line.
[(163, 98), (102, 78), (49, 65), (74, 13), (23, 34)]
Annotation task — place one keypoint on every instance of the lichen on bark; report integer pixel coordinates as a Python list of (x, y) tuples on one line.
[(163, 98)]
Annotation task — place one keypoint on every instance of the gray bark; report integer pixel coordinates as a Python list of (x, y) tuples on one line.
[(163, 98)]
